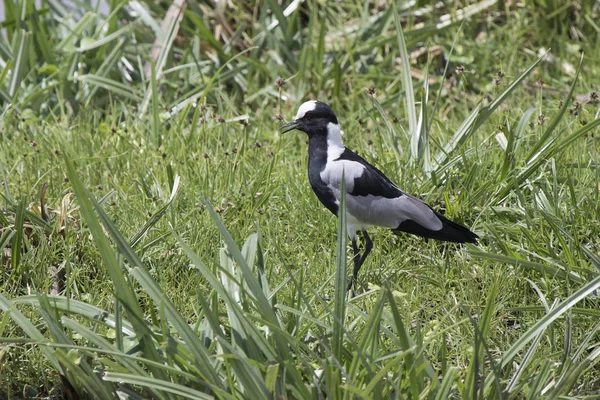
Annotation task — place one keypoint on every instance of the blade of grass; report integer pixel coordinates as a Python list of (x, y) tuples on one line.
[(511, 146), (81, 309), (562, 273), (111, 85), (339, 312), (137, 237), (550, 150), (123, 290), (18, 237), (141, 274), (74, 32), (29, 329), (249, 277), (447, 384), (20, 62), (156, 136), (157, 384), (550, 317), (487, 111), (161, 48), (411, 112), (463, 132)]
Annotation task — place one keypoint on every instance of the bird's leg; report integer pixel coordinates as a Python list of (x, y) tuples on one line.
[(357, 262), (358, 259), (368, 248)]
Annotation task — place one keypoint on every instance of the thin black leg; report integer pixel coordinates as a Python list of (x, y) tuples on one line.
[(357, 261), (368, 247)]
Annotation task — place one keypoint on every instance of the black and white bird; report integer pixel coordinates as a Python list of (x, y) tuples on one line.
[(371, 198)]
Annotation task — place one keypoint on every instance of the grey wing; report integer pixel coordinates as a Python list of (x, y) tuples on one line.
[(391, 212)]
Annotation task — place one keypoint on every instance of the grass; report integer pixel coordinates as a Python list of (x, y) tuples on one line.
[(160, 239)]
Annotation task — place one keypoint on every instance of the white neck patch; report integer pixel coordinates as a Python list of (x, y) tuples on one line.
[(335, 147), (306, 107)]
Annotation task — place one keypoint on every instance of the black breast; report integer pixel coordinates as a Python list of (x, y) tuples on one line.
[(317, 159)]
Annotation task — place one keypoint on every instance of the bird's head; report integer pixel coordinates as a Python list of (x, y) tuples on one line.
[(313, 118)]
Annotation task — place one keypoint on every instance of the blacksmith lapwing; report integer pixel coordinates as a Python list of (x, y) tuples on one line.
[(371, 198)]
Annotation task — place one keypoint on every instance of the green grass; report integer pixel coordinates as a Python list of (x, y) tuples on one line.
[(160, 239)]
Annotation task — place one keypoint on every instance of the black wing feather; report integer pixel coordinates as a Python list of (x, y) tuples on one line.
[(450, 232), (372, 181)]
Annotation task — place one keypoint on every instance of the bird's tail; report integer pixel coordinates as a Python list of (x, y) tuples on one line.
[(450, 232)]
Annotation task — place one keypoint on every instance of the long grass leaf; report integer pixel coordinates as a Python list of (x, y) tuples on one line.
[(17, 249), (463, 132), (550, 150), (447, 384), (153, 220), (20, 62), (157, 384), (123, 289), (28, 328), (249, 277), (90, 45), (511, 146), (390, 135), (558, 272), (487, 111), (409, 94), (74, 32), (550, 317), (111, 85), (339, 312), (79, 308)]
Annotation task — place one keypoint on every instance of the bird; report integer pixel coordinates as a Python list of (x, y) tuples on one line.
[(372, 199)]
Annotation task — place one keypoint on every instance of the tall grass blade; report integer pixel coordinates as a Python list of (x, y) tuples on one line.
[(152, 383), (413, 130), (447, 384), (80, 309), (113, 86), (339, 311), (550, 150), (123, 290), (161, 48), (511, 146), (155, 118), (90, 45), (514, 386), (553, 270), (29, 329), (463, 132), (423, 125), (249, 277), (550, 317), (390, 135), (17, 245), (487, 111), (415, 366), (82, 378), (477, 362), (20, 62), (139, 235), (206, 34)]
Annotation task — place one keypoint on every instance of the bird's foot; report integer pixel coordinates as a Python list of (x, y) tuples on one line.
[(350, 287)]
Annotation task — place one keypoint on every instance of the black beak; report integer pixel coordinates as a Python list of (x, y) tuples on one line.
[(290, 126)]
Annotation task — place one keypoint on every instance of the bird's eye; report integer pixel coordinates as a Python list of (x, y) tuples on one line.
[(308, 116)]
